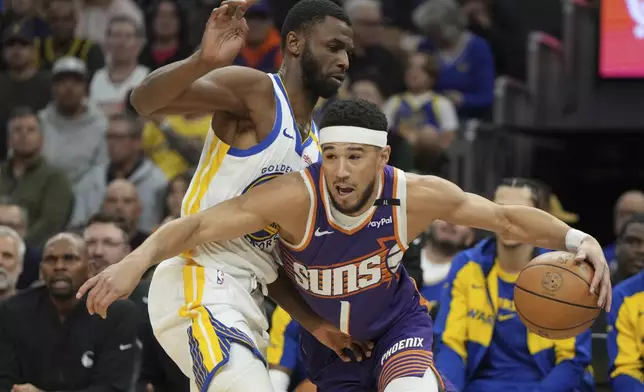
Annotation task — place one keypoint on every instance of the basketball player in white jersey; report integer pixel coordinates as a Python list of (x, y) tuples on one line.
[(334, 202), (205, 304)]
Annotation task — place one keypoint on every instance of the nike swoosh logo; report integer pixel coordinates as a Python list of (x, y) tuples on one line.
[(506, 317), (319, 233), (286, 134), (124, 347)]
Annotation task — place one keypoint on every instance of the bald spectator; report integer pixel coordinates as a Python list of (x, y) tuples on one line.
[(32, 182), (16, 217), (49, 341), (74, 128), (107, 243), (21, 84), (370, 59), (126, 161), (123, 201), (12, 252), (627, 205)]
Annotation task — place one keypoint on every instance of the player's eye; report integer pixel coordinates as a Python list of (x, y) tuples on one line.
[(354, 157)]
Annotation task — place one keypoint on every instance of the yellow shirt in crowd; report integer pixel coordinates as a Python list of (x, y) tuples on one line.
[(156, 146)]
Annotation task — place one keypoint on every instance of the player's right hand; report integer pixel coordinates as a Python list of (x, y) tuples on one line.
[(225, 33), (341, 343), (115, 282)]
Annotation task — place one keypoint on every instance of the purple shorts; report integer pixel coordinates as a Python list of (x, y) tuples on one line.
[(404, 350)]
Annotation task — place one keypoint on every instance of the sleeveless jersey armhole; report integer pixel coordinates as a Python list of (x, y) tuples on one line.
[(310, 221), (400, 212)]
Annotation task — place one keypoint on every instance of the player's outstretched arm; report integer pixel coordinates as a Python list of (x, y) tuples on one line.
[(268, 203), (203, 83), (434, 198)]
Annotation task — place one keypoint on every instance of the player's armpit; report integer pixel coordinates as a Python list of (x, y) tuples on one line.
[(440, 199)]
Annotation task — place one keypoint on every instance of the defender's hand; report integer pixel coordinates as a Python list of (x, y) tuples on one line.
[(342, 343), (115, 282), (225, 33), (591, 251)]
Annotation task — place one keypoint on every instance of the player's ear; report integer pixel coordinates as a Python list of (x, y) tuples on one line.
[(294, 44), (384, 156)]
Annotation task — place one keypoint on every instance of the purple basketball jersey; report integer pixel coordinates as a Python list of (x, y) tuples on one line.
[(352, 276)]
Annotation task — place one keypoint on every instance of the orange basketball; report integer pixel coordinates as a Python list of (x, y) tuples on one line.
[(552, 296)]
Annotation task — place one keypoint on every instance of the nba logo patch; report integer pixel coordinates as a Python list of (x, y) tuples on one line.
[(307, 159), (220, 277)]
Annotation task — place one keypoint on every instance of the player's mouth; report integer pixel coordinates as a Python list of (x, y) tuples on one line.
[(338, 79), (343, 191)]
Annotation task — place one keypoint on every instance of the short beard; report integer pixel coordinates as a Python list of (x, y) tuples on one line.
[(362, 201), (312, 77)]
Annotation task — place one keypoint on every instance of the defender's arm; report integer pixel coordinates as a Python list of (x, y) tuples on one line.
[(435, 198), (189, 86)]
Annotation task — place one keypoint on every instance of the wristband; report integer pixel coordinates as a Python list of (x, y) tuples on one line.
[(574, 238)]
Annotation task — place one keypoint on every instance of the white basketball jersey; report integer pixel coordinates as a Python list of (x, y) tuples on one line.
[(225, 172)]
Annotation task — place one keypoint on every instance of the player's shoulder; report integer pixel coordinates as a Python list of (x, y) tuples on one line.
[(426, 191)]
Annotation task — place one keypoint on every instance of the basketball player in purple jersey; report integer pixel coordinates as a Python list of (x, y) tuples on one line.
[(344, 226)]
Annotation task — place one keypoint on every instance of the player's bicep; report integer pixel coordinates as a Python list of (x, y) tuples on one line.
[(445, 200), (225, 89)]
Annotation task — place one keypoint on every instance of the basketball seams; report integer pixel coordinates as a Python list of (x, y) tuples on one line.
[(556, 329), (560, 267), (557, 300)]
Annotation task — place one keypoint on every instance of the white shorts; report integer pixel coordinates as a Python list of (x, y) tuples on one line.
[(197, 313)]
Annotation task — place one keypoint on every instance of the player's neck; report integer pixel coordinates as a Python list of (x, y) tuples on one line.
[(302, 101), (513, 259)]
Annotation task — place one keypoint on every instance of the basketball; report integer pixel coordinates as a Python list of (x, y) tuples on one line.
[(552, 296)]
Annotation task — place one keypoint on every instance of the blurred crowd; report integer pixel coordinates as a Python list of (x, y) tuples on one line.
[(84, 180)]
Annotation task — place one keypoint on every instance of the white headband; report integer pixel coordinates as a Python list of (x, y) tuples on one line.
[(358, 135)]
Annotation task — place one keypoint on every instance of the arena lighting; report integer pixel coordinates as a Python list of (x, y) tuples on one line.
[(621, 39)]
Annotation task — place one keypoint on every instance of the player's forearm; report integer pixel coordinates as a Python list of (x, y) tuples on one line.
[(535, 227), (167, 83), (286, 295), (168, 241)]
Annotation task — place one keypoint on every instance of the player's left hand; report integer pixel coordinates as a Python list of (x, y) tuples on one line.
[(591, 251), (341, 343)]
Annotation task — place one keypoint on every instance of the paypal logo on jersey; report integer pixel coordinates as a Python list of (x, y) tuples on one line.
[(266, 238), (382, 222)]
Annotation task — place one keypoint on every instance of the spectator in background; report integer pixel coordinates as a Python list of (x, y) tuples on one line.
[(167, 35), (30, 180), (627, 205), (124, 41), (48, 340), (625, 338), (198, 14), (177, 188), (494, 350), (466, 63), (127, 162), (431, 256), (96, 15), (21, 84), (174, 143), (62, 16), (263, 49), (107, 244), (368, 90), (371, 59), (74, 128), (12, 253), (629, 249), (28, 13), (16, 217), (423, 123), (123, 201)]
